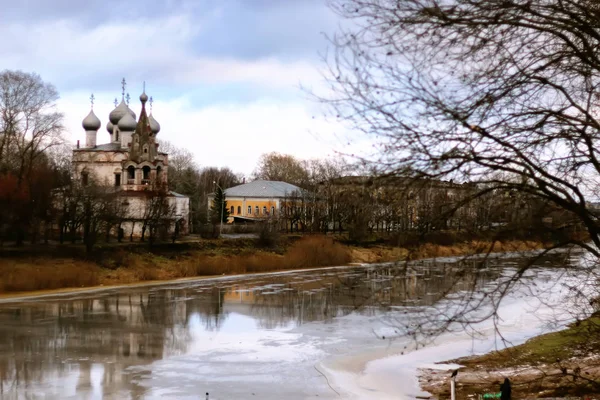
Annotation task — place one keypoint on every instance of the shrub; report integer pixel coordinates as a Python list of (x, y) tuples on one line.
[(317, 251), (268, 235)]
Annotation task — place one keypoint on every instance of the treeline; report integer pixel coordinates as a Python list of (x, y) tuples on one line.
[(335, 198), (34, 159)]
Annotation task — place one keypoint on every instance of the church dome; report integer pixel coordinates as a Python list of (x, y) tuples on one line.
[(91, 122), (109, 127), (154, 125), (143, 97), (127, 123), (118, 113)]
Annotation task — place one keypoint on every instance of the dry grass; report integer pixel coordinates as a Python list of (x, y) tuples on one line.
[(43, 274), (307, 252), (311, 251), (391, 254), (470, 248)]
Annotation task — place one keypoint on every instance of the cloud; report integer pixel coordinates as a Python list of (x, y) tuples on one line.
[(224, 73)]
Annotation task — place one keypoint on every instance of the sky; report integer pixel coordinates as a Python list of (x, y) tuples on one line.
[(226, 76)]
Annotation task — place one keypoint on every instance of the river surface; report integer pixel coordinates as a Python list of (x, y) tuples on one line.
[(336, 333)]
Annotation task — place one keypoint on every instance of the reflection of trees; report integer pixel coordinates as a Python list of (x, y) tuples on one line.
[(46, 341), (369, 291)]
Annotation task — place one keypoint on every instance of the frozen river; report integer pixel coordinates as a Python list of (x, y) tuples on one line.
[(334, 333)]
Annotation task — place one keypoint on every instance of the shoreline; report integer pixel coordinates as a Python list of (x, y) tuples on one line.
[(16, 296)]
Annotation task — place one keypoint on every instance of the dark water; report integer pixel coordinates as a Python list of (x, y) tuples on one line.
[(231, 336)]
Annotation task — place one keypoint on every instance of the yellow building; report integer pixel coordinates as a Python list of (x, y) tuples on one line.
[(257, 200)]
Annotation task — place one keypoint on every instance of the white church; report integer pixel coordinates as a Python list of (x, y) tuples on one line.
[(131, 164)]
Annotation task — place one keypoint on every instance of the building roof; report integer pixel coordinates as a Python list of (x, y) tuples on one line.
[(260, 188), (103, 147)]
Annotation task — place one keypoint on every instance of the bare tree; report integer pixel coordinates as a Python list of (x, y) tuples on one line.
[(29, 122), (282, 167), (477, 90), (499, 95)]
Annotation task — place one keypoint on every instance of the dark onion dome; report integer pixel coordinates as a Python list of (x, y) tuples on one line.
[(154, 125), (118, 113), (143, 97), (91, 122), (127, 123)]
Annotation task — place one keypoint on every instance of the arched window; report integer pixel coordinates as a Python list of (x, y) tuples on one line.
[(130, 175), (257, 210), (85, 178), (264, 210), (239, 210), (272, 210), (159, 174), (146, 175), (231, 211), (249, 210)]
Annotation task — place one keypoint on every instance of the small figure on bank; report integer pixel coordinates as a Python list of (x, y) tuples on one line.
[(505, 390)]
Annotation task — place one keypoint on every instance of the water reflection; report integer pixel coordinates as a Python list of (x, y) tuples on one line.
[(86, 344)]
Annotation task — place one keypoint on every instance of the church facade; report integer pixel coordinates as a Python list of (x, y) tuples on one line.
[(132, 167)]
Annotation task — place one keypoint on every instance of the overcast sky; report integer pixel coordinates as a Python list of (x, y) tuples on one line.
[(224, 74)]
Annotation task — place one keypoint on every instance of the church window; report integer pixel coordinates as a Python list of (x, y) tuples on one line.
[(131, 174), (249, 210), (231, 212), (257, 210), (264, 210), (145, 150), (146, 174), (272, 210), (117, 136), (239, 210), (117, 179), (84, 178)]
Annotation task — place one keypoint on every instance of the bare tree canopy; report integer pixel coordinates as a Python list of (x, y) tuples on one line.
[(281, 167), (504, 93), (29, 122)]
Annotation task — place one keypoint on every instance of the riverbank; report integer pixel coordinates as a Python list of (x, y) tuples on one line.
[(114, 265), (559, 364)]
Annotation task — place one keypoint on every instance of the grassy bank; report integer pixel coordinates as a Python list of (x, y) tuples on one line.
[(564, 363), (30, 271)]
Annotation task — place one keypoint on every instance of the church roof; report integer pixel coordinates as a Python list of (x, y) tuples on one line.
[(103, 147), (261, 188)]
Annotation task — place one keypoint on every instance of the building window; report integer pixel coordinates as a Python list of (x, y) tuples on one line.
[(130, 175), (84, 178), (264, 210), (257, 210), (272, 210), (159, 174), (117, 179), (117, 136), (231, 212), (145, 150), (146, 175), (239, 210), (249, 210)]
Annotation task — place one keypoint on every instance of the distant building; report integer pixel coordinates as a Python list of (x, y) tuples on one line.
[(131, 163), (258, 200)]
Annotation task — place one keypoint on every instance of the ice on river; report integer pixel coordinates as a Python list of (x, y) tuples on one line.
[(307, 335)]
